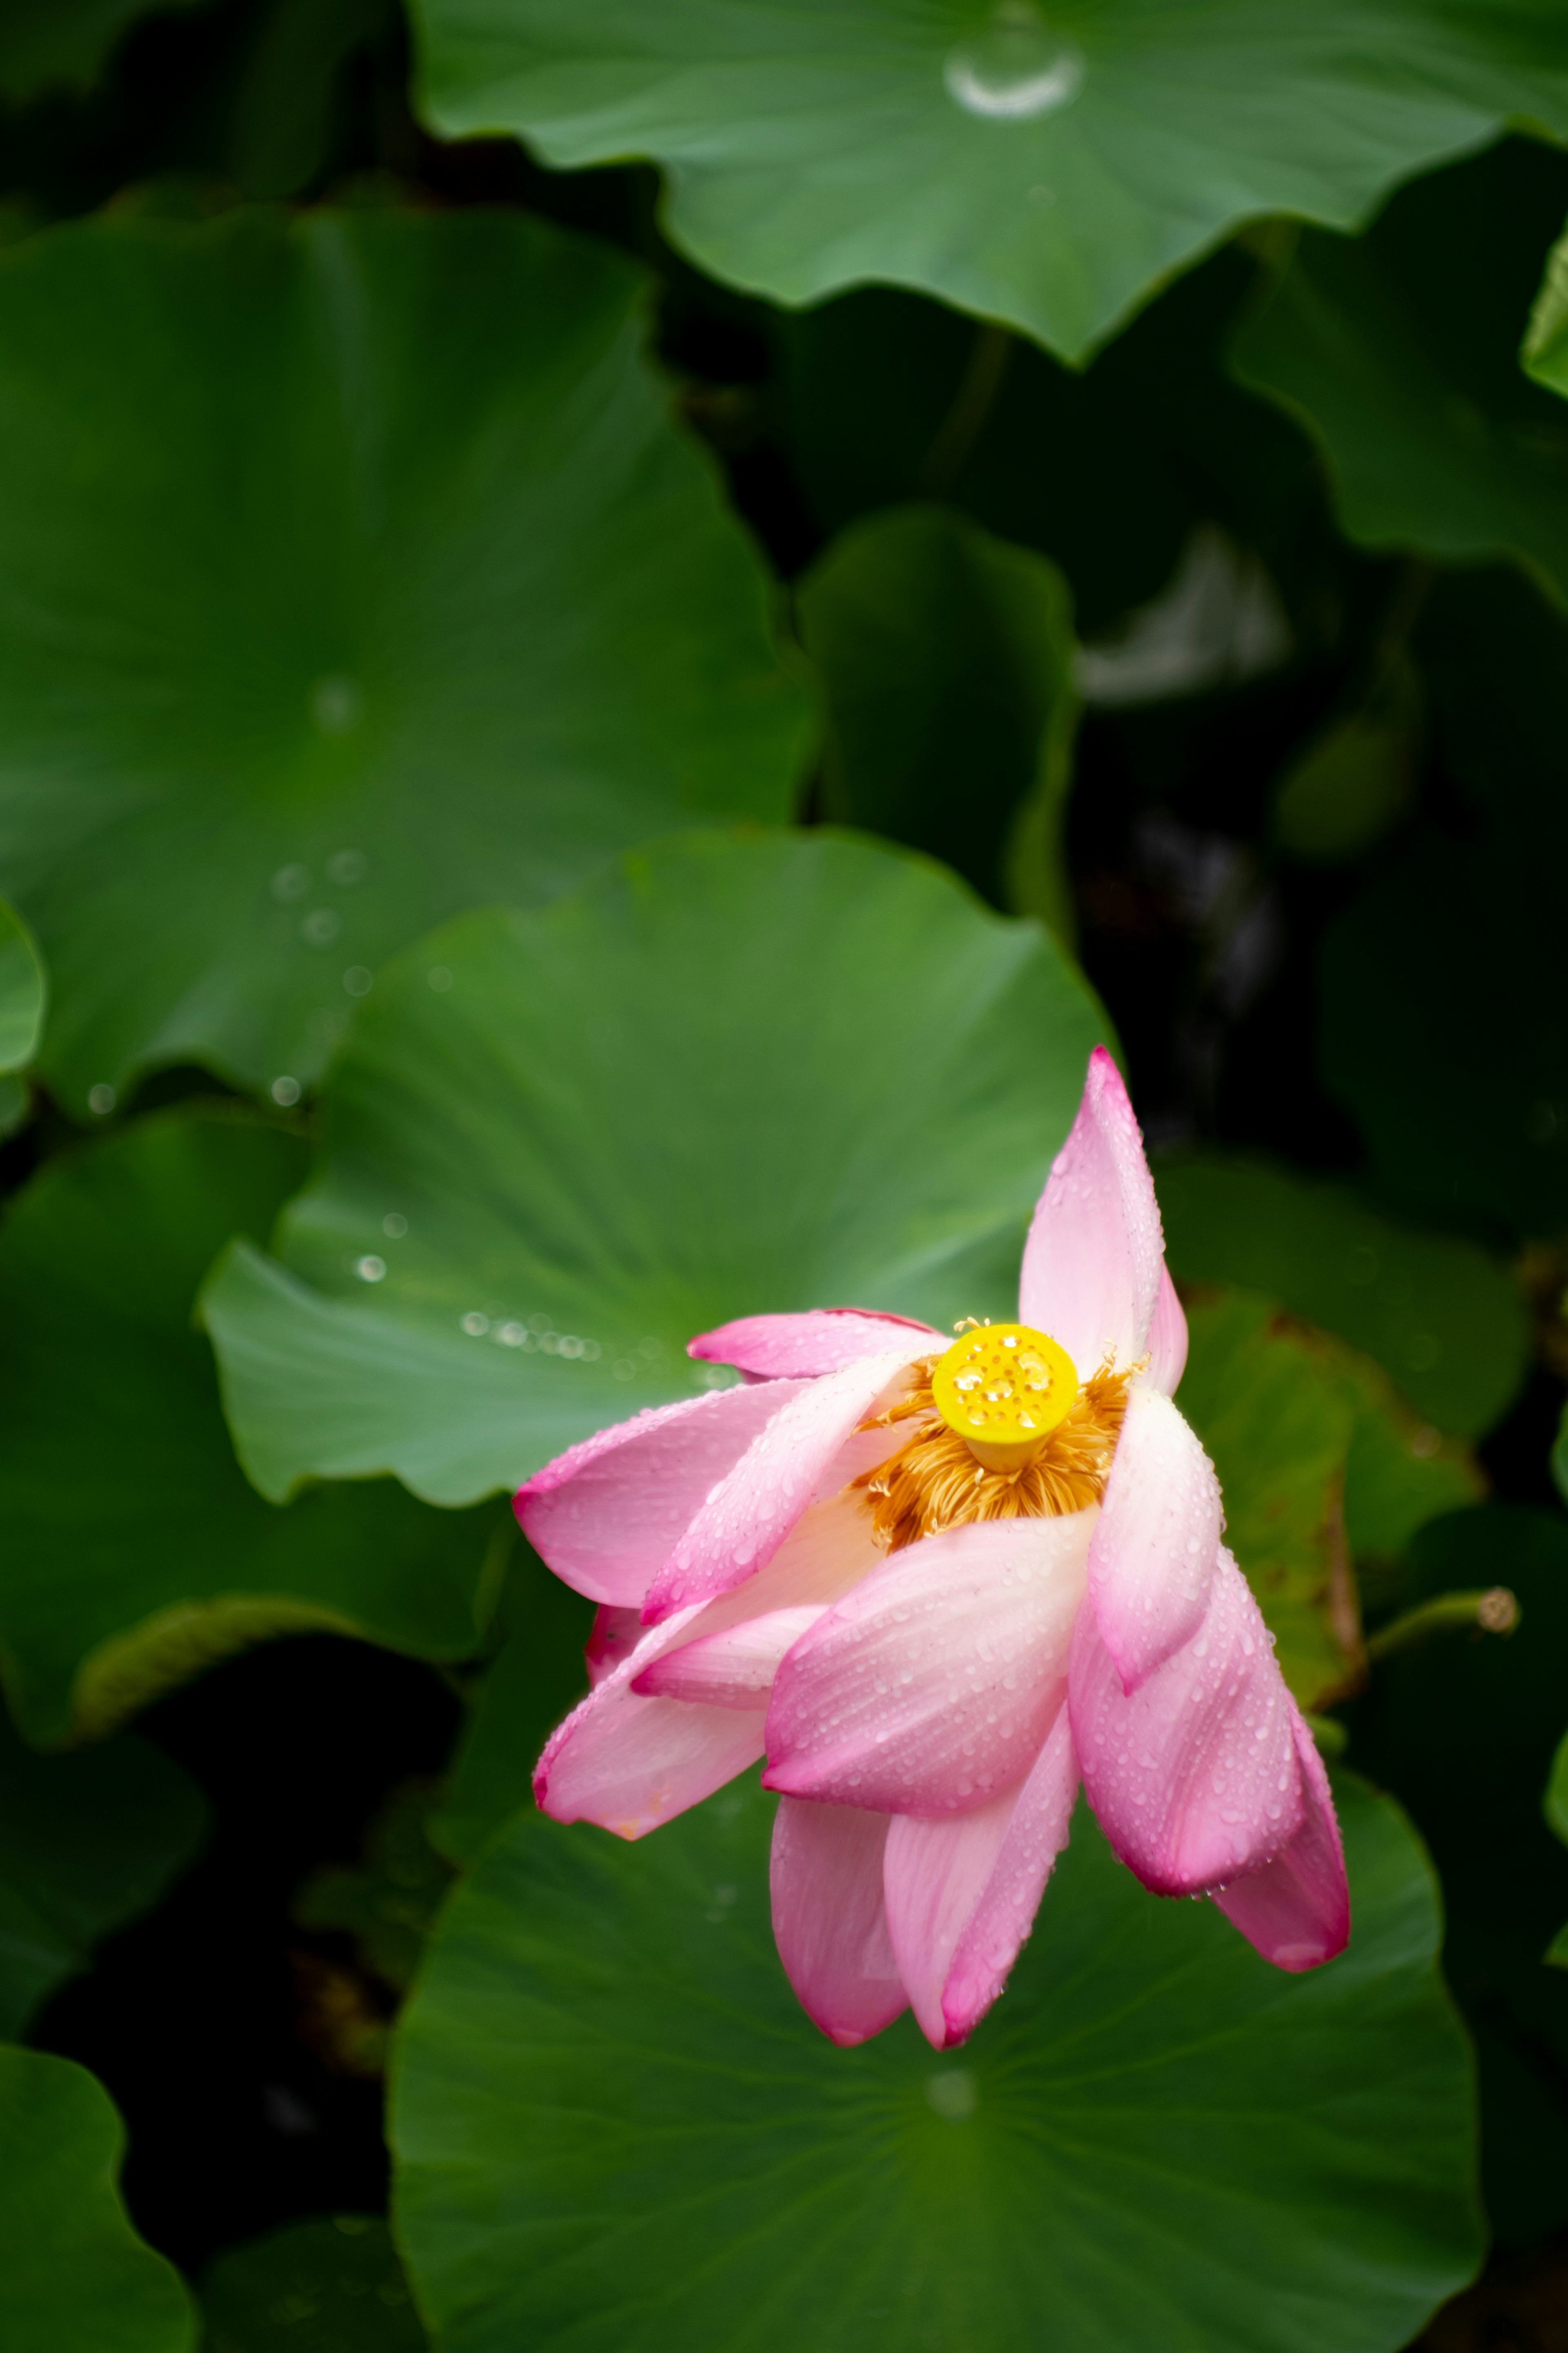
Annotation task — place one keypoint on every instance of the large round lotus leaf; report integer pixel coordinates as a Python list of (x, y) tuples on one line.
[(76, 2278), (1399, 351), (1443, 1316), (21, 992), (616, 2130), (87, 1842), (1044, 165), (135, 1551), (332, 2285), (738, 1074), (352, 574)]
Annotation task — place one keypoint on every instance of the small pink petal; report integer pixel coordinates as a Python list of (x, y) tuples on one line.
[(753, 1509), (616, 1633), (819, 1341), (1194, 1776), (961, 1892), (1297, 1909), (629, 1762), (933, 1684), (1152, 1557), (606, 1514), (731, 1670), (1167, 1338), (828, 1920), (1095, 1252)]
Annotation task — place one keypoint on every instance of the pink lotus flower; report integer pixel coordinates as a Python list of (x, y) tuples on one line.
[(934, 1586)]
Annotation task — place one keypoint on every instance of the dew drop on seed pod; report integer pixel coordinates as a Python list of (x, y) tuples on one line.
[(284, 1090), (370, 1269), (101, 1099), (474, 1324)]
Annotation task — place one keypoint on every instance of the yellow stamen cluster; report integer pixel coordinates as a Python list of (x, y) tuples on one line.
[(934, 1482)]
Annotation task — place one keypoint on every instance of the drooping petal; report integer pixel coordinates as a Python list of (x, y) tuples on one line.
[(1194, 1776), (606, 1514), (1152, 1557), (828, 1919), (754, 1506), (631, 1762), (734, 1668), (1167, 1338), (819, 1341), (1297, 1909), (1095, 1252), (961, 1892), (616, 1633), (932, 1685)]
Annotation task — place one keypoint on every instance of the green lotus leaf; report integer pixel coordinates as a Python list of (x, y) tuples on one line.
[(1462, 1728), (1444, 1317), (77, 2279), (1545, 350), (946, 662), (87, 1842), (1045, 166), (23, 992), (1319, 1467), (537, 1676), (136, 1553), (614, 2127), (739, 1074), (53, 44), (332, 2284), (1398, 351), (352, 573)]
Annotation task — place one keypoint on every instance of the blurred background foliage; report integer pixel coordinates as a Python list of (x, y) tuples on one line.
[(623, 634)]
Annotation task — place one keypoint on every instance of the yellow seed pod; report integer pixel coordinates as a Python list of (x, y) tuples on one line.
[(1004, 1388)]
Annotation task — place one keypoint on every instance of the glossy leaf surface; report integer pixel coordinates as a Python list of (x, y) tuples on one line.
[(390, 590), (741, 1074), (1399, 351), (77, 2278), (1045, 167), (615, 2127), (136, 1553)]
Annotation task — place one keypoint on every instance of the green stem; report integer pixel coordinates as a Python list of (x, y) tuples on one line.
[(1493, 1611)]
